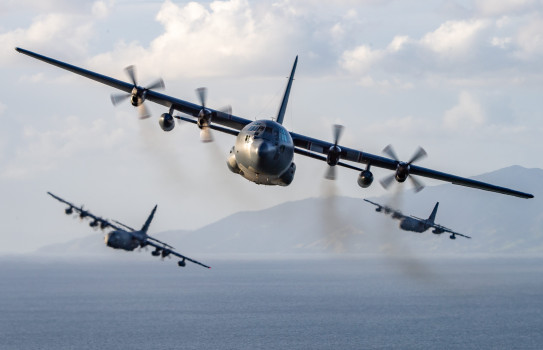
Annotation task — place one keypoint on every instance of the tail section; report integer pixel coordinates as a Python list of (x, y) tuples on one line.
[(433, 215), (145, 226), (283, 107)]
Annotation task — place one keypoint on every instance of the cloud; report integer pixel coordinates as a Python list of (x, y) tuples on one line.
[(467, 114), (360, 59), (101, 8), (453, 38), (529, 40), (47, 30), (41, 150), (223, 38), (504, 7)]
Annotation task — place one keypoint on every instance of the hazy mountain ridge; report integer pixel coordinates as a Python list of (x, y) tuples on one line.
[(499, 224)]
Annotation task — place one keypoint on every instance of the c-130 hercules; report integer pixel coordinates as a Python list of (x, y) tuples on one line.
[(126, 238), (415, 224), (264, 149)]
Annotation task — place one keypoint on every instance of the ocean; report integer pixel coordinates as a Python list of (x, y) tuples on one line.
[(340, 303)]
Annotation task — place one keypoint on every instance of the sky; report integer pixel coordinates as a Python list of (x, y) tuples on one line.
[(463, 79)]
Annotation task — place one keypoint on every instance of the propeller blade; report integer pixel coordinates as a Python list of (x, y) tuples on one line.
[(419, 186), (202, 95), (131, 71), (387, 181), (338, 129), (205, 134), (157, 84), (226, 110), (419, 154), (143, 111), (118, 98), (388, 150), (330, 173)]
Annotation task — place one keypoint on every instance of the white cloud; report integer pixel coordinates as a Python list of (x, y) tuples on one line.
[(101, 8), (454, 38), (222, 38), (502, 43), (500, 7), (360, 59), (71, 32), (41, 150), (529, 40), (467, 114)]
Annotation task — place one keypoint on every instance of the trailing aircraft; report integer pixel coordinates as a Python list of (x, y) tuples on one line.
[(263, 151), (126, 238), (415, 224)]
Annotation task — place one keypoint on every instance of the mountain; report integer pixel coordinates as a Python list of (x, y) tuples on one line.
[(499, 224)]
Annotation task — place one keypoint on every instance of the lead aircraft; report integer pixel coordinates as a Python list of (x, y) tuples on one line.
[(415, 224), (264, 150), (126, 238)]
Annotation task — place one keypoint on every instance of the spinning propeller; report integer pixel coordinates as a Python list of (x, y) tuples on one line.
[(138, 93), (205, 116), (403, 168), (334, 153)]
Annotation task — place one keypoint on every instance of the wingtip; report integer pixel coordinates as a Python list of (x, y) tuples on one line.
[(18, 49)]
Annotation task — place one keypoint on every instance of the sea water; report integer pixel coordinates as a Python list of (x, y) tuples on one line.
[(359, 303)]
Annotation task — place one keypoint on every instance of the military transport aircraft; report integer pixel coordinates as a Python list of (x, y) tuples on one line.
[(414, 224), (126, 238), (264, 150)]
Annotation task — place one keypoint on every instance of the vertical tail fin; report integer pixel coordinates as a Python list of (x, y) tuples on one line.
[(283, 107), (434, 212), (145, 226)]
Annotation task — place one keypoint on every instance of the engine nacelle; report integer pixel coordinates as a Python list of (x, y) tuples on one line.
[(165, 253), (69, 211), (233, 163), (166, 121), (452, 237), (287, 177), (138, 96), (333, 155), (402, 172), (155, 252), (181, 263), (365, 179), (437, 231), (93, 223)]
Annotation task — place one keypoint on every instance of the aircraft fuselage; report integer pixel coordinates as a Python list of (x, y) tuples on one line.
[(263, 153), (414, 225), (122, 240)]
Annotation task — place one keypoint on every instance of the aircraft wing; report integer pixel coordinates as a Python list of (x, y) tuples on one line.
[(84, 214), (321, 147), (167, 251), (396, 214), (304, 145), (445, 229), (192, 109)]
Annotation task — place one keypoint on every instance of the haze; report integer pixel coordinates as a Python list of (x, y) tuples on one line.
[(460, 78)]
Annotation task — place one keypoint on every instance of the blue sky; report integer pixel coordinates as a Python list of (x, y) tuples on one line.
[(463, 79)]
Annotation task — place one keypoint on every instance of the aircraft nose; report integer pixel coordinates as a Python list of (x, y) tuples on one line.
[(263, 150)]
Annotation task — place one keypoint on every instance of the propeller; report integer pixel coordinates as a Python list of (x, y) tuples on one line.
[(402, 168), (137, 94), (205, 115), (334, 153)]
